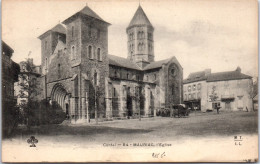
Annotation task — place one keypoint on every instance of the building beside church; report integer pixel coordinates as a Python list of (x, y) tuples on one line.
[(233, 89), (28, 82), (81, 76), (10, 71)]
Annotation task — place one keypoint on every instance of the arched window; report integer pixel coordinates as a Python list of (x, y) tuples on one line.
[(59, 75), (45, 45), (154, 76), (95, 78), (72, 31), (73, 52), (90, 52), (99, 54), (143, 46), (142, 34), (127, 76), (139, 47), (46, 64), (89, 30), (115, 73), (189, 88), (98, 33), (194, 87), (114, 92)]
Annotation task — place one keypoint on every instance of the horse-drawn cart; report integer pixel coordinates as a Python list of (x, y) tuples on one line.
[(180, 110)]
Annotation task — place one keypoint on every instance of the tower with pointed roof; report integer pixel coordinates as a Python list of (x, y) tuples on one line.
[(140, 39)]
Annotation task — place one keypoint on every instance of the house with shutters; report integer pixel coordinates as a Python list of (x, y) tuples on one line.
[(233, 90)]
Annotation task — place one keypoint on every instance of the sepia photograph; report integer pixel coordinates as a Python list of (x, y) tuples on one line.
[(129, 81)]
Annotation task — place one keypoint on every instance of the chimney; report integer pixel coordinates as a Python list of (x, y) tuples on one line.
[(238, 69), (207, 72), (30, 61)]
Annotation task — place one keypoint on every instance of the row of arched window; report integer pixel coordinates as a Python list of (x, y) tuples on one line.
[(131, 47), (131, 36), (89, 32), (192, 87), (91, 54), (140, 35), (141, 47)]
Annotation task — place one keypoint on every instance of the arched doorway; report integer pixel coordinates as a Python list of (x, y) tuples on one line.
[(61, 96)]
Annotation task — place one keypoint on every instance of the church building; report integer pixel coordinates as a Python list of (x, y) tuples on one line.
[(82, 77)]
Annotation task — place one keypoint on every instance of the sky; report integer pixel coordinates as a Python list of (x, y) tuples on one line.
[(201, 34)]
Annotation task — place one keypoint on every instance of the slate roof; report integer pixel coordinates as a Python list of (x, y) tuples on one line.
[(156, 64), (86, 11), (223, 76), (122, 62), (60, 28), (140, 18), (219, 76), (4, 45), (126, 63), (195, 76)]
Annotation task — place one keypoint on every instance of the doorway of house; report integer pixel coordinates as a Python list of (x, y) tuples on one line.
[(228, 105)]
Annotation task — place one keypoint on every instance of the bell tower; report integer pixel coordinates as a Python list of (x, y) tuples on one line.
[(140, 43)]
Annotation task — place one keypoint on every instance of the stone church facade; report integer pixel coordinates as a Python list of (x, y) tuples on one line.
[(81, 76)]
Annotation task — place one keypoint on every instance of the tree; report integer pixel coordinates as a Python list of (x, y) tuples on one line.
[(214, 97), (28, 91)]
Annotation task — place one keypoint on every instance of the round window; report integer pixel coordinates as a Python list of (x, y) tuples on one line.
[(172, 71)]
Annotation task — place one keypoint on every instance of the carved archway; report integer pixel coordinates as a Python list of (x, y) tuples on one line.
[(61, 96)]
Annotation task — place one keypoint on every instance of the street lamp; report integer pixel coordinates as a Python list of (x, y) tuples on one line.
[(88, 120), (96, 118)]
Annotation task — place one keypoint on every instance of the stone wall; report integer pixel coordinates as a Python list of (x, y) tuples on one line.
[(173, 76), (94, 34)]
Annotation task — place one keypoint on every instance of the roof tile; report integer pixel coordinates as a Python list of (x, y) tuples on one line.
[(140, 18), (122, 62)]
